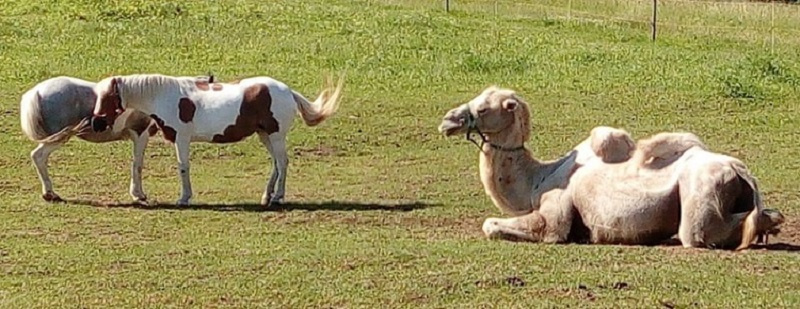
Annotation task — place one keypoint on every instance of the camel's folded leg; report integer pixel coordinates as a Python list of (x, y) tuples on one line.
[(528, 227), (534, 227)]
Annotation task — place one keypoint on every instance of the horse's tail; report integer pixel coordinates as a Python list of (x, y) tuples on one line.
[(323, 107), (30, 114), (32, 124), (750, 224)]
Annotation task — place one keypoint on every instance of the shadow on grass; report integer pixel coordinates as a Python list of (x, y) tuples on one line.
[(673, 242), (255, 207), (778, 247), (769, 247)]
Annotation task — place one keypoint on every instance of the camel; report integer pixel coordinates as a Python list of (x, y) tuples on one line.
[(609, 190)]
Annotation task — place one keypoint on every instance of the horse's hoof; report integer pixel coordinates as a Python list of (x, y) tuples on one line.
[(182, 203), (141, 202), (275, 203), (52, 197)]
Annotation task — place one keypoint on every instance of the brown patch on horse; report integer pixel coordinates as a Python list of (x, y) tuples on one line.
[(255, 115), (186, 109), (216, 86), (169, 132), (111, 103), (140, 125), (201, 84), (152, 130)]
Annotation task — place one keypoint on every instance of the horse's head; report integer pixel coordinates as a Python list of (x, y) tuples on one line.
[(108, 105), (490, 114)]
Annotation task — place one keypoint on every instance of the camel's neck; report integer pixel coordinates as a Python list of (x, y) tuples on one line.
[(515, 180)]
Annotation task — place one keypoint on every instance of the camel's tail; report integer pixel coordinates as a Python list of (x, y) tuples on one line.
[(750, 224), (32, 121), (323, 107)]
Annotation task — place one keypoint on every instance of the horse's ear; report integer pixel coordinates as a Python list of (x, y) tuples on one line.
[(112, 86), (510, 104)]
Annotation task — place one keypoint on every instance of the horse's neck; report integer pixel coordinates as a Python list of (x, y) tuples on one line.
[(143, 94)]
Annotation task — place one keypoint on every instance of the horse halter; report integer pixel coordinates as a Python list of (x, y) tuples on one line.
[(472, 126)]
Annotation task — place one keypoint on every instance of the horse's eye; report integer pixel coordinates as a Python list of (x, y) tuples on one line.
[(482, 111)]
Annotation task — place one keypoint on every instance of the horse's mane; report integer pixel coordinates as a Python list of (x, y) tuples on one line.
[(145, 86)]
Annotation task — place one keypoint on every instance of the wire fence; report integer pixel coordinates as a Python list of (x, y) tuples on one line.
[(767, 23)]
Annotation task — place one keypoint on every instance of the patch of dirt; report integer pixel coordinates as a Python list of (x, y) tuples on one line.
[(512, 281), (319, 151), (790, 231), (580, 292), (469, 226), (515, 281), (788, 239)]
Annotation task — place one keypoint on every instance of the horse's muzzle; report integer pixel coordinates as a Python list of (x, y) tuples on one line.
[(99, 124)]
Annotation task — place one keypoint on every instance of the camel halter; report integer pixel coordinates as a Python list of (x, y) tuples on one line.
[(472, 126)]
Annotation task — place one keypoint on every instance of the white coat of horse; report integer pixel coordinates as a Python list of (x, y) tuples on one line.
[(187, 110)]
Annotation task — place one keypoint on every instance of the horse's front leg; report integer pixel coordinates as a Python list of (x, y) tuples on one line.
[(139, 145), (182, 149)]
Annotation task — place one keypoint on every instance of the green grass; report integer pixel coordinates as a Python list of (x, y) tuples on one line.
[(386, 212)]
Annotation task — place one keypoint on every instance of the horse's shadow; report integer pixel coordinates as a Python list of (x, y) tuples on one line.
[(255, 207)]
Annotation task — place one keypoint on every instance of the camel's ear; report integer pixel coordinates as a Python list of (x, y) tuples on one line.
[(510, 104)]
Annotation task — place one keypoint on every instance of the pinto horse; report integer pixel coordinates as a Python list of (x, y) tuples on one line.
[(187, 110), (54, 110)]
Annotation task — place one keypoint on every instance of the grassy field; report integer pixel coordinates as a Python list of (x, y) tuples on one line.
[(384, 212)]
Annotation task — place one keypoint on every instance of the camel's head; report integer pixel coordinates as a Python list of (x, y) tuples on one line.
[(491, 112)]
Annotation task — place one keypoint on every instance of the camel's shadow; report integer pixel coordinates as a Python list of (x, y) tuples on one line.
[(255, 207), (786, 247)]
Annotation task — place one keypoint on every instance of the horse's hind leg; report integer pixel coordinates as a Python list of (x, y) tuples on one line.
[(276, 145), (139, 145), (40, 156), (270, 188)]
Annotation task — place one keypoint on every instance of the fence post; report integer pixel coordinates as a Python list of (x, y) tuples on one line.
[(447, 5), (569, 10), (655, 14), (772, 30)]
